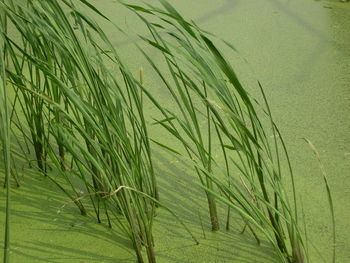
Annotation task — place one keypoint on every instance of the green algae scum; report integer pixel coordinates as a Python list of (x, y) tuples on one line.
[(175, 131)]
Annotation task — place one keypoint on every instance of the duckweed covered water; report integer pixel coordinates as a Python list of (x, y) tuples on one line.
[(300, 51)]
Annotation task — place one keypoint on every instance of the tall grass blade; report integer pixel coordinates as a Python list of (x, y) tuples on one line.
[(5, 134), (329, 195)]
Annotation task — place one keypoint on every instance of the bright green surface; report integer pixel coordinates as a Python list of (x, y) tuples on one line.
[(300, 51)]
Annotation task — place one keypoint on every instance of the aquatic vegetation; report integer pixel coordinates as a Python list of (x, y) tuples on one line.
[(87, 125), (67, 96), (5, 134), (257, 190)]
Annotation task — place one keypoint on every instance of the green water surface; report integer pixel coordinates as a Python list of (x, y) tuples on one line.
[(300, 51)]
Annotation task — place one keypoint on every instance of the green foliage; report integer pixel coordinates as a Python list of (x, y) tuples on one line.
[(77, 111), (86, 123), (256, 191), (5, 134)]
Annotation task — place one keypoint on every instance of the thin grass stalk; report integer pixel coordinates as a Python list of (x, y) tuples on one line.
[(329, 195), (5, 133)]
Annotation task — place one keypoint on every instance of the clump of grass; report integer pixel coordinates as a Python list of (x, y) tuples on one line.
[(87, 123), (29, 78), (80, 112), (185, 125), (257, 191)]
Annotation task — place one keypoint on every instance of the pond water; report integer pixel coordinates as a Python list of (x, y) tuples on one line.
[(300, 51)]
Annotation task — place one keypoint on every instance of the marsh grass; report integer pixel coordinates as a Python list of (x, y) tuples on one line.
[(5, 132), (256, 191), (329, 195), (86, 122), (78, 112), (187, 129)]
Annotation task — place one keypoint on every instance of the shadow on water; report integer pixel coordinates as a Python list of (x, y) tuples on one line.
[(56, 254), (325, 41), (180, 192), (41, 234), (224, 8), (228, 246), (300, 20)]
